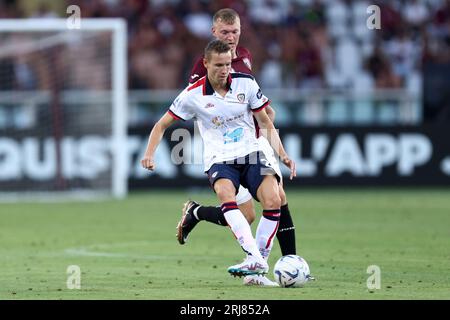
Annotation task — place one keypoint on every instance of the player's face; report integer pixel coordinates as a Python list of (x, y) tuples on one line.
[(228, 33), (219, 67)]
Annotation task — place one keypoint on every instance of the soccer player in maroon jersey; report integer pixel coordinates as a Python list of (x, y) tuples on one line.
[(226, 27)]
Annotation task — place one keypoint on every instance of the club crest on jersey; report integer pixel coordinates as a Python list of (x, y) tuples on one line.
[(241, 97), (209, 105), (247, 63)]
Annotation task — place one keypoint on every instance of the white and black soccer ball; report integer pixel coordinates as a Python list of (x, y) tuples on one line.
[(291, 271)]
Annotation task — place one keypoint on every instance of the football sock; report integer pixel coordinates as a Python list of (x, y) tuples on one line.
[(267, 227), (286, 232), (240, 228), (211, 214)]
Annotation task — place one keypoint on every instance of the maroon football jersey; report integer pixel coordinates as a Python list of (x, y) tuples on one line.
[(242, 63)]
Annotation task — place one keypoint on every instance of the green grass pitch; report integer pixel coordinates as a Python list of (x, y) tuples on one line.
[(128, 250)]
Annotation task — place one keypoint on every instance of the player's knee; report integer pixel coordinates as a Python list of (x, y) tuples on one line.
[(272, 201), (225, 191)]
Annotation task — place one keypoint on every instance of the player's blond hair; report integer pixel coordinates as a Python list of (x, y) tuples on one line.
[(226, 15)]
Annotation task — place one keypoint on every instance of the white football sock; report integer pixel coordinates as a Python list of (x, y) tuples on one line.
[(266, 231), (242, 231)]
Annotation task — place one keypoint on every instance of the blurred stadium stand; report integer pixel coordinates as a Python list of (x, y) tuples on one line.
[(354, 105), (316, 59)]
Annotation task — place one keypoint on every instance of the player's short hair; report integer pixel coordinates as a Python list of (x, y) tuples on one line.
[(227, 15), (216, 46)]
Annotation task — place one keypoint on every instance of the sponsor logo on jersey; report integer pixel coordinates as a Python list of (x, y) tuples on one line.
[(215, 174), (209, 105), (194, 76), (217, 121), (233, 136), (221, 122), (259, 94)]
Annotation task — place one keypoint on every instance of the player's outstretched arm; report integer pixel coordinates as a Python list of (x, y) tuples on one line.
[(270, 133), (271, 113), (155, 138)]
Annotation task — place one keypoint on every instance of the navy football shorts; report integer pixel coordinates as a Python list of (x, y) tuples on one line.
[(248, 171)]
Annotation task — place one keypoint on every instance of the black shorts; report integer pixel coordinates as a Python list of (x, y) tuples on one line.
[(248, 171)]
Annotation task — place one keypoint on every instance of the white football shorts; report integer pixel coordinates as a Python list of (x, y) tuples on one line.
[(243, 195)]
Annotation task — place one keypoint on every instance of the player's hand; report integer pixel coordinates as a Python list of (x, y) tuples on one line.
[(148, 163), (291, 165)]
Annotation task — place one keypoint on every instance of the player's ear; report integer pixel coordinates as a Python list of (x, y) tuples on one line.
[(205, 62)]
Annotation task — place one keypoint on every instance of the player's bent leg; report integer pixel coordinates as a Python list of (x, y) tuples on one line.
[(197, 212), (268, 195), (225, 190), (254, 263), (193, 212)]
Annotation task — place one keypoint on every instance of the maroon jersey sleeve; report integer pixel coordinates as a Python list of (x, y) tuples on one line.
[(198, 70)]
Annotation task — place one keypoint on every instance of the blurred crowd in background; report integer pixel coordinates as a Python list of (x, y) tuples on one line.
[(302, 44)]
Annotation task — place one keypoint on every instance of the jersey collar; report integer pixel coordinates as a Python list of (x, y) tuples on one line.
[(208, 89)]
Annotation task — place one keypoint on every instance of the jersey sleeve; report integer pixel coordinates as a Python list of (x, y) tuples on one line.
[(247, 54), (180, 108), (197, 71), (257, 99)]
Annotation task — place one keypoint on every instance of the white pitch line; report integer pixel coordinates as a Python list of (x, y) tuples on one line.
[(89, 251), (86, 253)]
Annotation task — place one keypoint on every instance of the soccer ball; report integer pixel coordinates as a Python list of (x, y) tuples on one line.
[(291, 271)]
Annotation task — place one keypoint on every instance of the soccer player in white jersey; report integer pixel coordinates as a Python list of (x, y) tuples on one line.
[(224, 105), (226, 26)]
